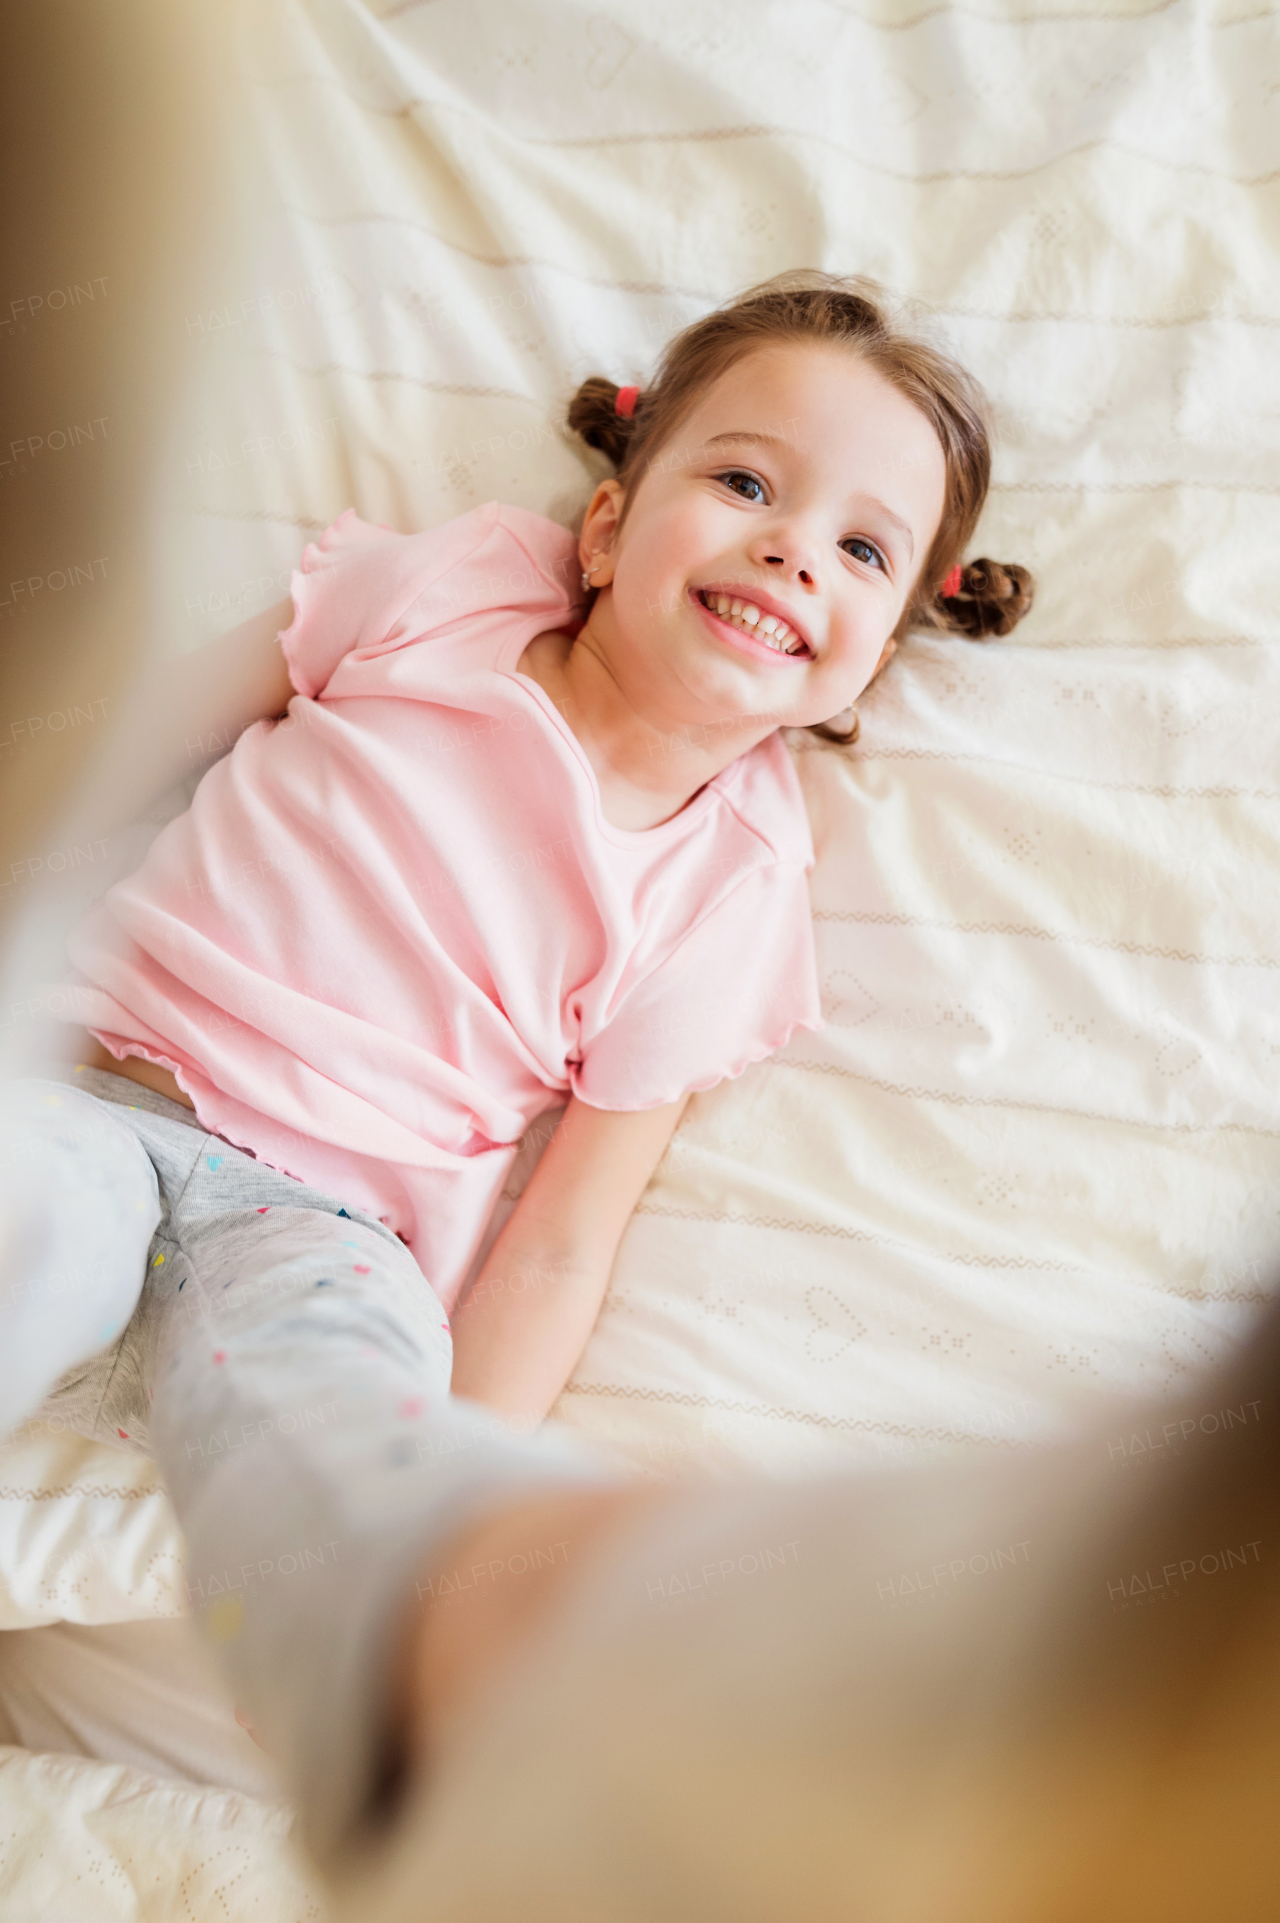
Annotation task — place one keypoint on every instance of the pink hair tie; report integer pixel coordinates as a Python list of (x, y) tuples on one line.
[(625, 401), (952, 583)]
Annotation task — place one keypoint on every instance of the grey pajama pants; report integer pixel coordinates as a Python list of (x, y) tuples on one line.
[(286, 1362)]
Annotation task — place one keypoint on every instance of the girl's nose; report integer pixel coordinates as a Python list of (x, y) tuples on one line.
[(787, 555), (780, 561)]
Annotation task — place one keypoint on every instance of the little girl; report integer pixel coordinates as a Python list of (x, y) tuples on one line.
[(528, 829)]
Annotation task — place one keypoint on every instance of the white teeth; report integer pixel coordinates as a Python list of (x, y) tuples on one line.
[(769, 628)]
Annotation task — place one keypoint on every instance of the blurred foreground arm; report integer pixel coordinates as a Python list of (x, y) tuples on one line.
[(1026, 1690)]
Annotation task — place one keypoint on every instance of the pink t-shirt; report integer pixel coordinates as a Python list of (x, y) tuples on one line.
[(394, 927)]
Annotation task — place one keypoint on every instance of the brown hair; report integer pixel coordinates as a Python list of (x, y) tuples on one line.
[(992, 596)]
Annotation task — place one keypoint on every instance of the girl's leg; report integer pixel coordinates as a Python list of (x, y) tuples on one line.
[(303, 1423), (78, 1205)]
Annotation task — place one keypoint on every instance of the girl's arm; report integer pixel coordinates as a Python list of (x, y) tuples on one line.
[(524, 1323), (178, 716), (185, 712)]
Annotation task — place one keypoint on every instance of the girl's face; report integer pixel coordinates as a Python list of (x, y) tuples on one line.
[(804, 489)]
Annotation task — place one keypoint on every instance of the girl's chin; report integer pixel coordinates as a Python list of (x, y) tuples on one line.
[(764, 698)]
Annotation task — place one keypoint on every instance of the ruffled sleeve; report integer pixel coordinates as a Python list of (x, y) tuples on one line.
[(366, 587), (731, 993)]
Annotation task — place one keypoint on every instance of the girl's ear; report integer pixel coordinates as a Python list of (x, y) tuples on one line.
[(599, 526)]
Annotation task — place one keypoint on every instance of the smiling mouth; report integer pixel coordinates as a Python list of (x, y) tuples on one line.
[(769, 628)]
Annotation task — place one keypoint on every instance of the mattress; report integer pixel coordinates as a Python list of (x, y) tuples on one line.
[(1030, 1164)]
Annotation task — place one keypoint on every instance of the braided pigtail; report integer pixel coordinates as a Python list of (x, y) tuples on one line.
[(991, 598), (593, 414)]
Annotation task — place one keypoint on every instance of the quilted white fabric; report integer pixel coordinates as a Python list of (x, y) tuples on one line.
[(104, 1844), (86, 1533), (1034, 1159)]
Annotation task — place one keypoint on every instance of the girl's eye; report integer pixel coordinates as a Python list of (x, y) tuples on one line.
[(741, 482), (863, 551)]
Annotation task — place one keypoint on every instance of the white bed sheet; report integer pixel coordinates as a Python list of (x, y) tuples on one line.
[(144, 1694), (98, 1842)]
